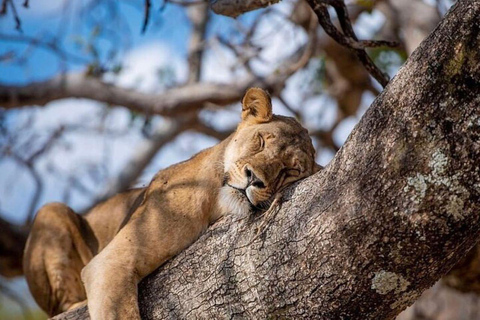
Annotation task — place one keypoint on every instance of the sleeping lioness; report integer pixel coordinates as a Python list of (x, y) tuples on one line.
[(104, 254)]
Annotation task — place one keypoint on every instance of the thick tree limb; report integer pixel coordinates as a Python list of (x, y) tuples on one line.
[(391, 214)]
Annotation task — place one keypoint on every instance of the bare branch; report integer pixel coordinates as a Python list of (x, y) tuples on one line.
[(185, 3), (348, 38), (50, 45), (16, 17), (146, 15), (174, 102), (3, 8), (46, 146), (201, 127)]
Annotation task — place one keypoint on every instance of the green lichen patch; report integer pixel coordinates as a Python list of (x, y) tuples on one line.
[(454, 66), (439, 178), (384, 282)]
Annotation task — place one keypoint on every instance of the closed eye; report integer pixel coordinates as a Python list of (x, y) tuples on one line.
[(262, 142)]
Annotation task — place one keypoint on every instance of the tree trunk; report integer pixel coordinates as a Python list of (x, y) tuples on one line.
[(395, 209)]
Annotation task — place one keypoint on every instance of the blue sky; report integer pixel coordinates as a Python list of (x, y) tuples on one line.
[(49, 22), (72, 25)]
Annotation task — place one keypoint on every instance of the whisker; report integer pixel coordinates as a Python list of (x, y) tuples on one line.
[(269, 215)]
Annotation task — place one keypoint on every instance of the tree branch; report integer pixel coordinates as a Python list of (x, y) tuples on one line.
[(174, 102), (171, 103), (348, 38), (409, 174)]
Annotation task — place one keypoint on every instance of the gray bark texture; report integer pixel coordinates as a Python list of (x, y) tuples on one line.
[(396, 208)]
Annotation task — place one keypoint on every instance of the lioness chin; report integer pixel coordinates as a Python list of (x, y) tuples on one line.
[(104, 254)]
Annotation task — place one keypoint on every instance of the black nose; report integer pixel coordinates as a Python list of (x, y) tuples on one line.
[(253, 180)]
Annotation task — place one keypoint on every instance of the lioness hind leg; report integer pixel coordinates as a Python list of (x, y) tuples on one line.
[(54, 256)]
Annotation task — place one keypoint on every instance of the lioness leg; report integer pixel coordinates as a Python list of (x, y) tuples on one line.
[(149, 239), (55, 254)]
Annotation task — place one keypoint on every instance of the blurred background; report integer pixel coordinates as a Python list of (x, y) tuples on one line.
[(72, 142)]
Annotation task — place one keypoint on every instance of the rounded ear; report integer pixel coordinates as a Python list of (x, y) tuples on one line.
[(256, 106)]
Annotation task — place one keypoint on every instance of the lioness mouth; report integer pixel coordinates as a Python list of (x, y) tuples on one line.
[(241, 191), (254, 208)]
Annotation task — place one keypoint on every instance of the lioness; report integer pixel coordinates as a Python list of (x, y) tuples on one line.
[(120, 241)]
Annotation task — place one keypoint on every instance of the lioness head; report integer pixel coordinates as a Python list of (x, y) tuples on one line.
[(266, 153)]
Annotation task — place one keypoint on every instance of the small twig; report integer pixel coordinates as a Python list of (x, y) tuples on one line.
[(268, 216), (18, 22), (201, 127), (48, 144), (146, 15), (308, 51), (244, 58), (347, 28), (297, 114), (50, 45), (26, 4)]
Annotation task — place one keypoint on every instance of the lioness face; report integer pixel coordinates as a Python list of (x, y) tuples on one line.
[(266, 154)]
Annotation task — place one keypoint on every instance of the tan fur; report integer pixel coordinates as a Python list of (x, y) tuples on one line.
[(124, 239)]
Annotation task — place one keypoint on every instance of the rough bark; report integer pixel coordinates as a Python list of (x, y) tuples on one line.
[(392, 213)]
